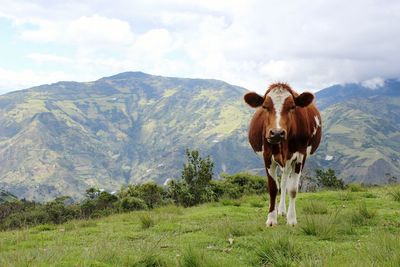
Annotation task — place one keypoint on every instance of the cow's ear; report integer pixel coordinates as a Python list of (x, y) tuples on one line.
[(253, 99), (304, 99)]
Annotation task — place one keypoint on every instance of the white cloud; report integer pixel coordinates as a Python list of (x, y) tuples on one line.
[(249, 43), (13, 80), (374, 83), (46, 58), (92, 30)]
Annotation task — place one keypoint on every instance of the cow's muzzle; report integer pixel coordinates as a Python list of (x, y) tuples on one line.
[(276, 135)]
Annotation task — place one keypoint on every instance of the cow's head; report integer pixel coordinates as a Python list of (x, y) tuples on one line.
[(279, 105)]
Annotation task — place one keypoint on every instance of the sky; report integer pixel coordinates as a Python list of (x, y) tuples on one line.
[(308, 44)]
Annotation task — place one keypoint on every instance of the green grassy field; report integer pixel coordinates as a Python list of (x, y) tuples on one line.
[(356, 227)]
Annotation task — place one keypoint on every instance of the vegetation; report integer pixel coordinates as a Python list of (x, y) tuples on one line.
[(221, 234)]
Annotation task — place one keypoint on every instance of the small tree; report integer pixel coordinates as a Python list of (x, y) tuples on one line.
[(328, 179), (197, 173)]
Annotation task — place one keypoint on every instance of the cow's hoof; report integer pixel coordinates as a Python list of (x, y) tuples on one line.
[(291, 221), (271, 223), (281, 212), (272, 219)]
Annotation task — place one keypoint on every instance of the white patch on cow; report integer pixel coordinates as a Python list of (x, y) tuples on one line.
[(282, 202), (278, 97), (272, 171), (317, 125), (309, 150), (292, 186), (272, 218)]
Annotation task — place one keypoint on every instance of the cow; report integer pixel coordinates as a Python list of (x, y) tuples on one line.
[(285, 129)]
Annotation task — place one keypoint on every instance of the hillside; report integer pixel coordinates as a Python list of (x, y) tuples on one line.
[(342, 228), (6, 196), (361, 132), (62, 138)]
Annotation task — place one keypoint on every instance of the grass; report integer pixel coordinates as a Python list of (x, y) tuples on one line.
[(146, 221), (355, 230), (395, 194)]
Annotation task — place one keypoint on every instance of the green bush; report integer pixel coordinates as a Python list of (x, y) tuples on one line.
[(328, 179), (132, 203), (355, 188)]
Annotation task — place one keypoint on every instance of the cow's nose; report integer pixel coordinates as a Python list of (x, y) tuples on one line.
[(276, 133)]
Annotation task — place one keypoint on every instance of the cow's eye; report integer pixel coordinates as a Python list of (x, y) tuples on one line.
[(265, 108), (292, 108)]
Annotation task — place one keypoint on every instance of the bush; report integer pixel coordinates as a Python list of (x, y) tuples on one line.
[(132, 203), (328, 179), (355, 188)]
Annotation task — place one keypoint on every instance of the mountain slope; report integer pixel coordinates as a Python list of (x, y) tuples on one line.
[(131, 127), (361, 132), (6, 196)]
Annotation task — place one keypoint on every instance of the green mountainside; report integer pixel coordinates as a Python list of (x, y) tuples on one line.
[(361, 132), (6, 196), (62, 138)]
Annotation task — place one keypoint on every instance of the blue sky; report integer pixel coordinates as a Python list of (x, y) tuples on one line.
[(309, 44)]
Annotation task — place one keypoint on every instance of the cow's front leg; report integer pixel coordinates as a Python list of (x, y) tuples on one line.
[(272, 214), (293, 184), (282, 201)]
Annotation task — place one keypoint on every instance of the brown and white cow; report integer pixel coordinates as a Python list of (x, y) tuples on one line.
[(285, 129)]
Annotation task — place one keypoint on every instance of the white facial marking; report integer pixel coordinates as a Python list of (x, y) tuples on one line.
[(278, 96)]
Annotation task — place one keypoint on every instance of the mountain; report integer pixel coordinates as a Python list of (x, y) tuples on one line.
[(62, 138), (6, 196), (361, 132)]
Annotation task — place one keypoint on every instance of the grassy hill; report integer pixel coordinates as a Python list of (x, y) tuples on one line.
[(356, 227)]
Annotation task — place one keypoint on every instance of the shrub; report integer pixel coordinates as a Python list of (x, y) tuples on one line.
[(328, 179), (355, 188), (244, 183), (132, 203)]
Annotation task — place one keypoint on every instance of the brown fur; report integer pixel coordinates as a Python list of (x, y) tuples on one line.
[(299, 127)]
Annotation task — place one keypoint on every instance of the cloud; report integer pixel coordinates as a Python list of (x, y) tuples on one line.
[(45, 58), (374, 83), (310, 45), (13, 80), (86, 30)]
